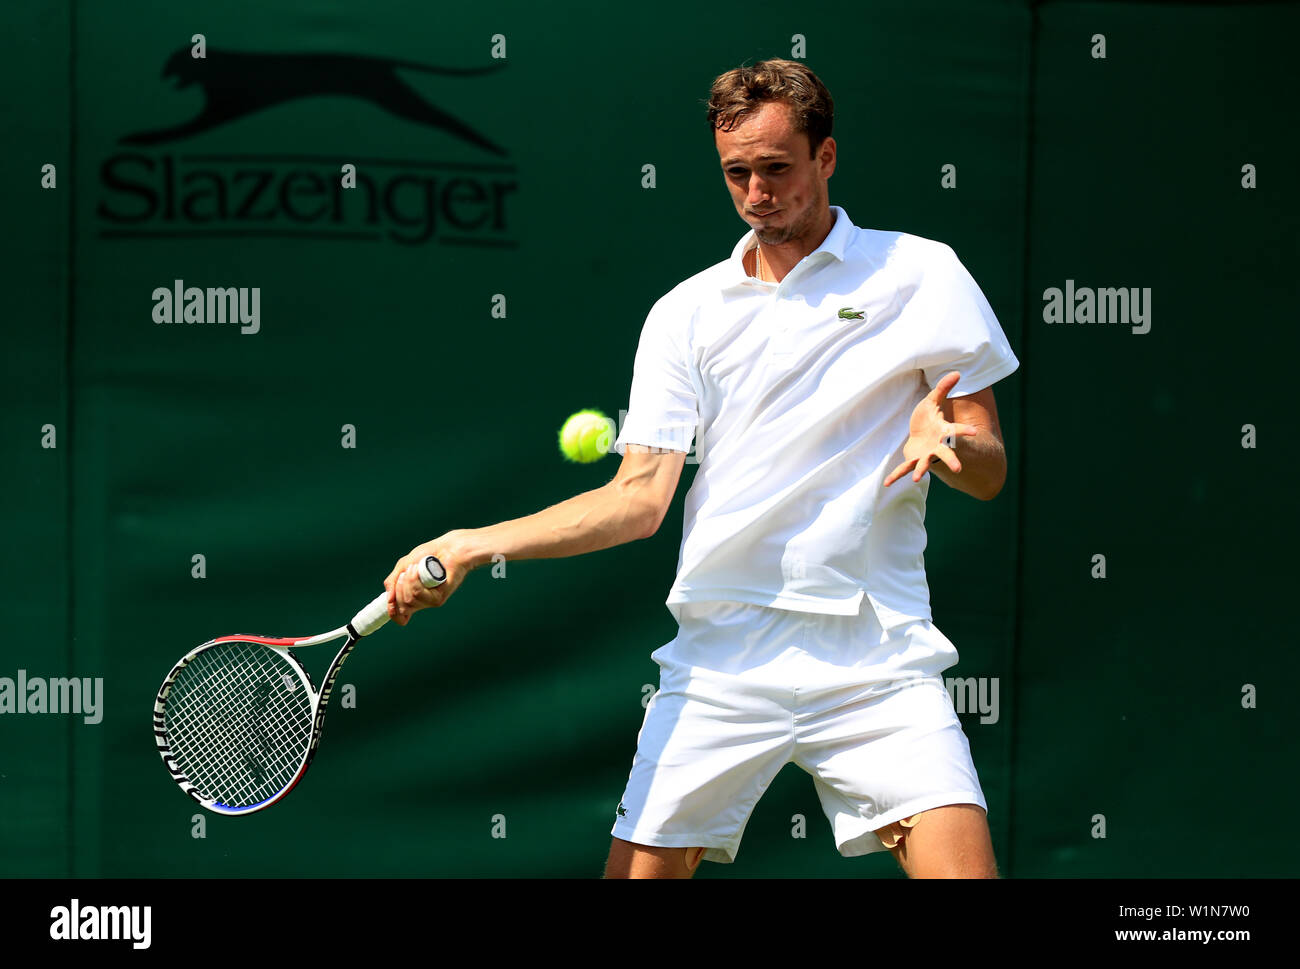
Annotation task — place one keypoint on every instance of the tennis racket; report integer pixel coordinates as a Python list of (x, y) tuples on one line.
[(237, 720)]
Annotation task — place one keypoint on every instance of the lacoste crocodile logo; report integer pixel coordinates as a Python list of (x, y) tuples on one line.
[(622, 811), (849, 313), (239, 83)]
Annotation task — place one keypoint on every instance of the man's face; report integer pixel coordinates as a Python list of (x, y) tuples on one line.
[(777, 188)]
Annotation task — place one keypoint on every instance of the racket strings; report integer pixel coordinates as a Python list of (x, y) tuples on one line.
[(239, 722)]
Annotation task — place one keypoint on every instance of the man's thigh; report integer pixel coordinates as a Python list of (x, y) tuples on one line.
[(628, 860), (881, 758), (944, 842)]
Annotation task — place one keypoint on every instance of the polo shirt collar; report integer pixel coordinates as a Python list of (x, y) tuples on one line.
[(835, 243)]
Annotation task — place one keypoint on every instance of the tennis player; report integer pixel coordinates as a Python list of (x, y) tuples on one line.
[(824, 371)]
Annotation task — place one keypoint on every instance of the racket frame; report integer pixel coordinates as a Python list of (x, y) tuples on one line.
[(369, 619), (319, 704)]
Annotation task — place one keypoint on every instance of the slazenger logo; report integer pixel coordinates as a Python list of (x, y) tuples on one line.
[(164, 194), (101, 923)]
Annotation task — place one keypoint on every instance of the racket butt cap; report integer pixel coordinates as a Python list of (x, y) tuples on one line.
[(431, 572)]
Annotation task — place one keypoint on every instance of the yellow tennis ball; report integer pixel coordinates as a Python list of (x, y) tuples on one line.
[(586, 436)]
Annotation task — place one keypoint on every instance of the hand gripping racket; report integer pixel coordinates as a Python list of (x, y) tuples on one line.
[(237, 720)]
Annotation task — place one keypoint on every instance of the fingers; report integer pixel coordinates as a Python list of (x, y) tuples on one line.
[(899, 471), (919, 466), (413, 596), (407, 594), (946, 383), (390, 585), (949, 457), (399, 609), (402, 565), (944, 452), (402, 601)]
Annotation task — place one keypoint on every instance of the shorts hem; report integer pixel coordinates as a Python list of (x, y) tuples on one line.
[(867, 842), (715, 849)]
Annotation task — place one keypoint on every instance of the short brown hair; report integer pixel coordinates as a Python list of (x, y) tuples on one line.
[(738, 93)]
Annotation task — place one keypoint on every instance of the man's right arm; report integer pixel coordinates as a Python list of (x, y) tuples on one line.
[(629, 507)]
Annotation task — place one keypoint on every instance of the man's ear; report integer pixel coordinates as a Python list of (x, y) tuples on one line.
[(826, 154)]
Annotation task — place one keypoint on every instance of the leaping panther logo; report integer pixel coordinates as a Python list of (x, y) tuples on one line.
[(236, 84)]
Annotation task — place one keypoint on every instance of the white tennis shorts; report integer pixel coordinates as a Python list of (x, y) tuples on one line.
[(745, 690)]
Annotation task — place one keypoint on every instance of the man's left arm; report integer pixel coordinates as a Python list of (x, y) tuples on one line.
[(982, 457)]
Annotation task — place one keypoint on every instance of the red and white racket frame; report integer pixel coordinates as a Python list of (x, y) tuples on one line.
[(372, 617)]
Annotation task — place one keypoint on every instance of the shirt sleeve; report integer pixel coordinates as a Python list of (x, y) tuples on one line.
[(663, 407), (963, 334)]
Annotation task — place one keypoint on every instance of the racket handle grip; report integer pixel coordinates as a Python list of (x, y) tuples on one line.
[(374, 615)]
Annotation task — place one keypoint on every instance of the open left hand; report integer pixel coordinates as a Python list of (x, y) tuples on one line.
[(926, 432)]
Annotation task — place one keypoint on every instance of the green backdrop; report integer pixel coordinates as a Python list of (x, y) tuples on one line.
[(1124, 701)]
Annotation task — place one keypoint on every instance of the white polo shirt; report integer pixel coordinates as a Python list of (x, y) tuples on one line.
[(800, 409)]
